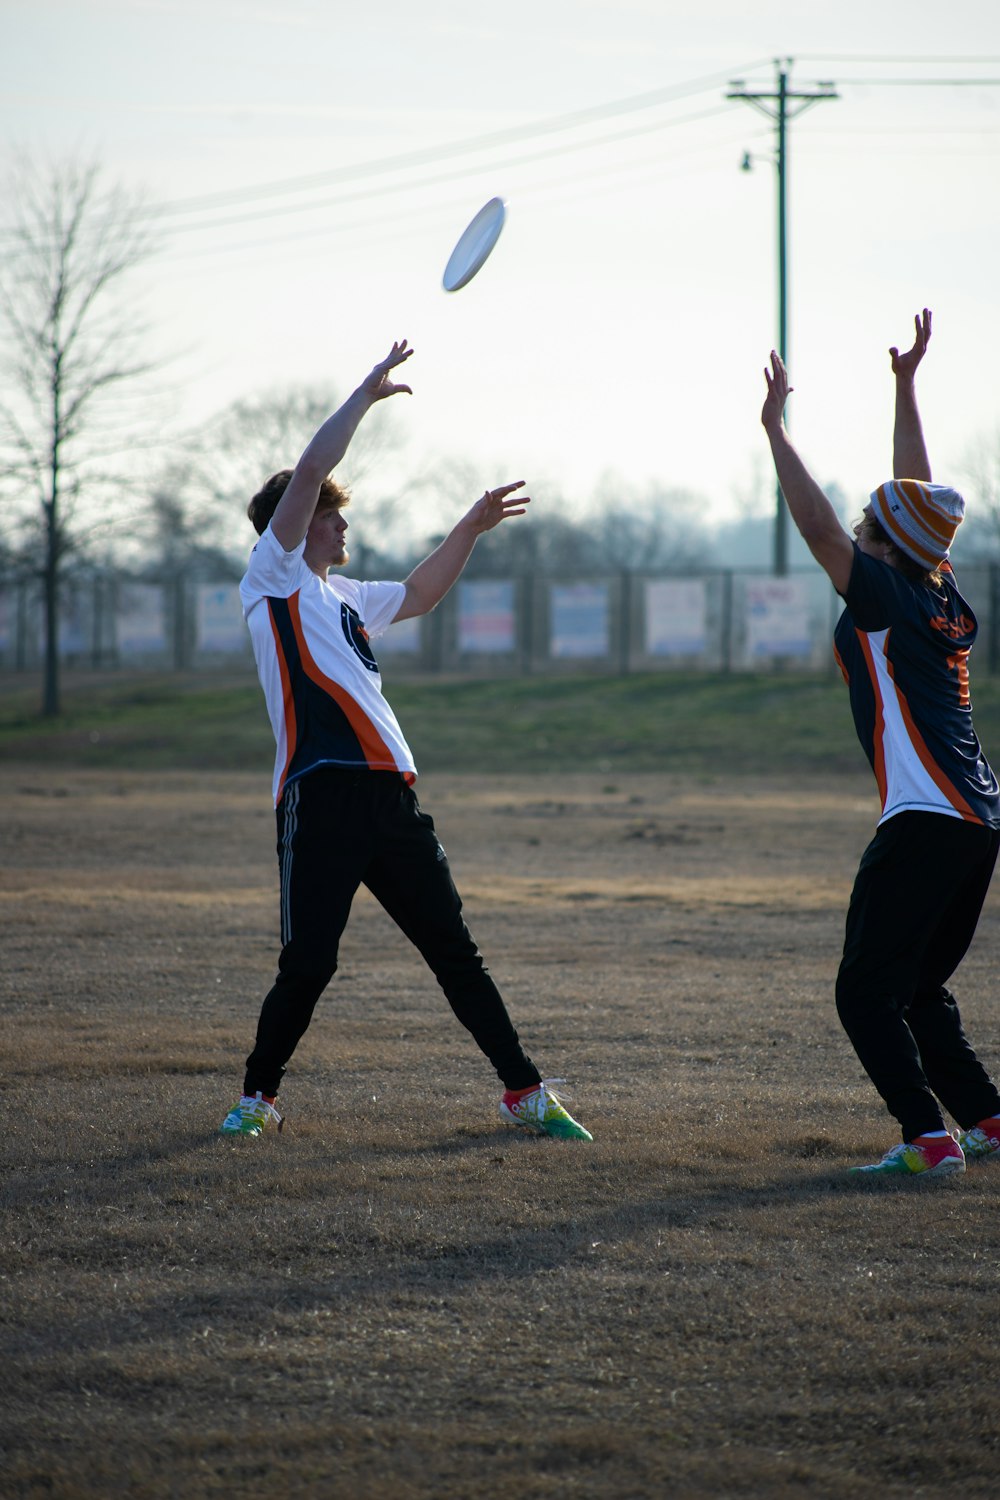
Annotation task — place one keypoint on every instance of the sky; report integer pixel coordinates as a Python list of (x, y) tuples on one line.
[(309, 165)]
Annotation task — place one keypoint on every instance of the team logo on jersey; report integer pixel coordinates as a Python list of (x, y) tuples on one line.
[(955, 629), (357, 636)]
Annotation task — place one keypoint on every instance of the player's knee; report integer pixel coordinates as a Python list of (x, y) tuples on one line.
[(308, 969), (860, 997)]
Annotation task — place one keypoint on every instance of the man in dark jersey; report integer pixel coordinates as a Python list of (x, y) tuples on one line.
[(346, 811), (903, 645)]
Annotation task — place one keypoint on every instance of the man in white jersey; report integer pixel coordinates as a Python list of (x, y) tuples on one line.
[(903, 645), (346, 811)]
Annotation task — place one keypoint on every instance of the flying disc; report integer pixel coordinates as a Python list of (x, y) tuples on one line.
[(474, 245)]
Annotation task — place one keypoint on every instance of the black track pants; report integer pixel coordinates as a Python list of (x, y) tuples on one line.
[(341, 829), (917, 898)]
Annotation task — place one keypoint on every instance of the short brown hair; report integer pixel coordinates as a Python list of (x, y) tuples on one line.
[(265, 502)]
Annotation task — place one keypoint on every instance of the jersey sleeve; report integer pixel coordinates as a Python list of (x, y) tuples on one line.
[(378, 604), (272, 573)]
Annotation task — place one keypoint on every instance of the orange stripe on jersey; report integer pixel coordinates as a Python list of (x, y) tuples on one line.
[(927, 760), (288, 703), (376, 751), (840, 663), (878, 732), (959, 664)]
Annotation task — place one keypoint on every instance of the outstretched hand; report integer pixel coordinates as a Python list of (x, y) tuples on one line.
[(906, 364), (377, 384), (496, 505), (778, 391)]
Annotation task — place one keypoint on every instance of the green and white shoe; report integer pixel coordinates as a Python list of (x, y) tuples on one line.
[(933, 1156), (250, 1115), (542, 1110), (982, 1141)]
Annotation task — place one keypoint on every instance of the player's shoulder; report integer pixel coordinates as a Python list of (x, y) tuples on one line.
[(268, 553), (350, 590), (949, 614), (874, 581)]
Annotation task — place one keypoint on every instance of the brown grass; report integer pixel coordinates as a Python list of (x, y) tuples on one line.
[(401, 1297)]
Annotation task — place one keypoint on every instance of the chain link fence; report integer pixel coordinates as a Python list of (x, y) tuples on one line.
[(726, 620)]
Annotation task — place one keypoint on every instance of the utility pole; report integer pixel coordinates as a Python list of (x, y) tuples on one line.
[(781, 106)]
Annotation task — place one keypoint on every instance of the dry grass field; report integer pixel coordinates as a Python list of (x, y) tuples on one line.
[(401, 1297)]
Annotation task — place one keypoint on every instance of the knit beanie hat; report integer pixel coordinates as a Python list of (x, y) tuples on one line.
[(920, 519)]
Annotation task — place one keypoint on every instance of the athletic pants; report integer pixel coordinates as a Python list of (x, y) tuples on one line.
[(338, 829), (917, 898)]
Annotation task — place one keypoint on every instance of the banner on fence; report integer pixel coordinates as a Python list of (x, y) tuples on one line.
[(141, 620), (486, 620), (579, 620), (403, 638), (777, 617), (7, 623), (220, 619), (676, 617), (73, 639)]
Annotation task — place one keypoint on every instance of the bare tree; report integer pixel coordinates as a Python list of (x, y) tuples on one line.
[(68, 349), (229, 458)]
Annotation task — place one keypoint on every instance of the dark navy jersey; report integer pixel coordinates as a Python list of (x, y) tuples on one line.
[(904, 651)]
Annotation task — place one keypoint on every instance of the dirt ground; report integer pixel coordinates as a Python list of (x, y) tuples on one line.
[(606, 909), (612, 913), (666, 944)]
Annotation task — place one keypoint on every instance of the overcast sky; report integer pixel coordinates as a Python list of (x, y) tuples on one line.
[(317, 160)]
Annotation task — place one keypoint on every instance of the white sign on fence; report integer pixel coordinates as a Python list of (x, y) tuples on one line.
[(486, 616), (6, 623), (579, 619), (220, 619), (676, 617), (403, 637), (73, 626), (141, 620), (777, 617)]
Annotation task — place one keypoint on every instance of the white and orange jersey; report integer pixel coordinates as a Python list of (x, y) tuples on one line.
[(311, 641), (904, 651)]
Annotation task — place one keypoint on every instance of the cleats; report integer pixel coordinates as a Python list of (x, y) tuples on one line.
[(933, 1156), (542, 1111), (250, 1116), (982, 1141)]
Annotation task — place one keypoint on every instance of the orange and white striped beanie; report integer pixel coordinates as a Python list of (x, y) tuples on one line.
[(920, 518)]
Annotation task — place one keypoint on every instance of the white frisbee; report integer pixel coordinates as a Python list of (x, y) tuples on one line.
[(474, 246)]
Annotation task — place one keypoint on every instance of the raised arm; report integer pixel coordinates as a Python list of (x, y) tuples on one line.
[(909, 451), (324, 452), (431, 579), (811, 511)]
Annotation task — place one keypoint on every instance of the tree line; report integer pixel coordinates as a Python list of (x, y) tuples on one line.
[(71, 427)]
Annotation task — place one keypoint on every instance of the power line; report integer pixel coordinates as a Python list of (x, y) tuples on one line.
[(781, 114), (880, 57), (447, 150), (583, 185), (925, 83), (405, 162), (418, 184)]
